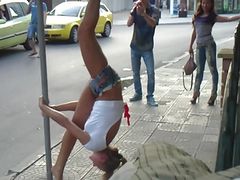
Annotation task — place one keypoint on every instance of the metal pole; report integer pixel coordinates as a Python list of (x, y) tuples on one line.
[(42, 52)]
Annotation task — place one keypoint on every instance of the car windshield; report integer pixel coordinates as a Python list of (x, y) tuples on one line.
[(66, 10)]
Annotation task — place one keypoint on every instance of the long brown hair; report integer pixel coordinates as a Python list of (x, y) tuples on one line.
[(115, 160), (199, 11)]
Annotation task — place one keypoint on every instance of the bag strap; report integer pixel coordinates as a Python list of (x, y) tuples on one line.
[(190, 83)]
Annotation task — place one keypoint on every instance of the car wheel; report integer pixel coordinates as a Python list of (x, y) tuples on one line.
[(74, 35), (26, 45), (107, 30)]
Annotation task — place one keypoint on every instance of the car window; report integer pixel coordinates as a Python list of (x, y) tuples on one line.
[(24, 7), (83, 11), (3, 13), (15, 10), (62, 10), (103, 8)]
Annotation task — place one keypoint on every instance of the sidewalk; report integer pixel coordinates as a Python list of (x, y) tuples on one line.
[(193, 128)]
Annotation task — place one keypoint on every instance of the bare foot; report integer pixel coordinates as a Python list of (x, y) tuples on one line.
[(57, 173)]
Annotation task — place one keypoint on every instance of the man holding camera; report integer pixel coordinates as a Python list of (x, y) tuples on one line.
[(144, 17)]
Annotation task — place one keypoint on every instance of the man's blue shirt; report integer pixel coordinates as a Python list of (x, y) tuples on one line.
[(143, 33), (33, 10)]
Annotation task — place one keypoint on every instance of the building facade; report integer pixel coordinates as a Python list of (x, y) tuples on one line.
[(228, 6), (221, 6)]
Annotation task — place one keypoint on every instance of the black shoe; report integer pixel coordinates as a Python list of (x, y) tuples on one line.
[(212, 100), (151, 102), (136, 97), (195, 97)]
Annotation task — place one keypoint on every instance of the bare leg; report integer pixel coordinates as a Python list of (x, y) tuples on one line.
[(68, 143), (95, 62), (80, 116), (32, 44), (93, 56)]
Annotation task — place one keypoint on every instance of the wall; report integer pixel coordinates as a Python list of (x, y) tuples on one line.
[(118, 5)]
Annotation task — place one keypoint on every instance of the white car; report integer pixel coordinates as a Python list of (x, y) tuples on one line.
[(14, 25)]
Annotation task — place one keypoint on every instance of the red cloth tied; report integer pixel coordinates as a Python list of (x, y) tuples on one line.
[(126, 114)]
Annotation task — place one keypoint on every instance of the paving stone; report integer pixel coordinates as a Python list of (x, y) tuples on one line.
[(165, 136), (189, 128), (212, 131), (210, 138), (174, 127), (197, 120)]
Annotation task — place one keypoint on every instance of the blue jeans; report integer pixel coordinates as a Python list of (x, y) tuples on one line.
[(104, 81), (203, 53), (32, 30), (136, 65)]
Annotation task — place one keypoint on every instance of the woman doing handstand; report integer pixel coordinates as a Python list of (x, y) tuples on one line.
[(98, 112)]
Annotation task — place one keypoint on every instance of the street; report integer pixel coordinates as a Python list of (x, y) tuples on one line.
[(21, 130)]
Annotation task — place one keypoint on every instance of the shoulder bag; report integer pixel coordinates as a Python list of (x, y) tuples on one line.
[(188, 69)]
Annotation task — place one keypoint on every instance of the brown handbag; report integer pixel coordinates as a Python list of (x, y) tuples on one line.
[(188, 69), (190, 66)]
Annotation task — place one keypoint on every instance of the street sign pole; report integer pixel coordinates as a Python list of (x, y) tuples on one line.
[(42, 53)]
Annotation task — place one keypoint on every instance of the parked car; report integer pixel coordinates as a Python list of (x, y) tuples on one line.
[(63, 21), (14, 24)]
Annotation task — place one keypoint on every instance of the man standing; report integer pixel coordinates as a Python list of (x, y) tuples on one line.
[(144, 17), (32, 29)]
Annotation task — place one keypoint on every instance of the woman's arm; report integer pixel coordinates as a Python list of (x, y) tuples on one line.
[(227, 19), (62, 120), (193, 37), (69, 106), (2, 15)]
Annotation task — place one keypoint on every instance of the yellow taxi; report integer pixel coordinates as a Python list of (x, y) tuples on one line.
[(63, 21)]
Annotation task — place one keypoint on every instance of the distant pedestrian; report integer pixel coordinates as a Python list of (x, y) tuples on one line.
[(144, 17), (32, 29), (203, 21)]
